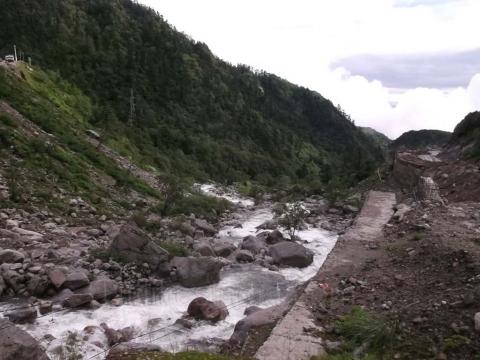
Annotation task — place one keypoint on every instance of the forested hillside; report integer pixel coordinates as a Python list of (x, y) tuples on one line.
[(416, 139), (195, 114)]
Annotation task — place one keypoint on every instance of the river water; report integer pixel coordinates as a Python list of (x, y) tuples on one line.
[(240, 286)]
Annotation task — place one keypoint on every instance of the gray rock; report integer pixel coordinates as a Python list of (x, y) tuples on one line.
[(57, 277), (291, 254), (37, 285), (136, 246), (251, 309), (274, 237), (350, 209), (45, 307), (203, 309), (204, 249), (223, 249), (244, 256), (13, 279), (22, 315), (76, 280), (11, 256), (77, 300), (100, 289), (204, 226), (194, 272), (253, 244), (16, 344)]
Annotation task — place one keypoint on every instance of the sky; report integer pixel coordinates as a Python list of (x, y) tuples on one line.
[(393, 65)]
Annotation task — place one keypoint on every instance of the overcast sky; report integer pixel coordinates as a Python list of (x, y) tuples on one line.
[(394, 65)]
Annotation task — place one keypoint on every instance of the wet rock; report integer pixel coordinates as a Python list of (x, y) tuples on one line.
[(45, 307), (194, 272), (13, 279), (100, 289), (22, 315), (223, 249), (76, 280), (11, 256), (184, 323), (244, 256), (18, 344), (274, 237), (77, 300), (253, 244), (203, 309), (135, 245), (3, 286), (123, 351), (251, 309), (291, 254), (117, 302)]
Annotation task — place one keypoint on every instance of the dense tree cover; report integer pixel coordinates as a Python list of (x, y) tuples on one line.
[(417, 139), (467, 135), (196, 115)]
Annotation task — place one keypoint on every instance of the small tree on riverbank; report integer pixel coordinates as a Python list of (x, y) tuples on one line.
[(291, 217)]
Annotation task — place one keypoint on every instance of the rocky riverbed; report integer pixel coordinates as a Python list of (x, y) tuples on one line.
[(60, 290)]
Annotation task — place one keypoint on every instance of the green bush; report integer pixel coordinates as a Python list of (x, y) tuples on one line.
[(203, 206)]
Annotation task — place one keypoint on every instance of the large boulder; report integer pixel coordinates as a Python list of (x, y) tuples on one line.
[(11, 256), (291, 254), (195, 272), (133, 244), (100, 289), (203, 309), (253, 244), (16, 344)]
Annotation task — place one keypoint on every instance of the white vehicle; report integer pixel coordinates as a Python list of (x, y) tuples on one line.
[(10, 58)]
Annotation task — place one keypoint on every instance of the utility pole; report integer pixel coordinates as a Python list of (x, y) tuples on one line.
[(131, 117), (15, 52)]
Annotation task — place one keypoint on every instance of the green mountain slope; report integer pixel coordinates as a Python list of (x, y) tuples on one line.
[(417, 139), (466, 137), (196, 115), (377, 137), (47, 157)]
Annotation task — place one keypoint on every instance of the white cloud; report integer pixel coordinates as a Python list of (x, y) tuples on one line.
[(299, 39)]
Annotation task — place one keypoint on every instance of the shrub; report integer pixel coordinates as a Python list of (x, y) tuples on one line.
[(291, 217)]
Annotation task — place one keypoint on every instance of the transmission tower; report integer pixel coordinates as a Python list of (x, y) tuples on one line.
[(131, 117)]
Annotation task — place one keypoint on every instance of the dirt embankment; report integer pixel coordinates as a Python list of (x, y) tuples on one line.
[(421, 276)]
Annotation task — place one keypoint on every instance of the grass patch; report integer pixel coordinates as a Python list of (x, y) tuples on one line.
[(106, 255), (174, 249), (361, 327)]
